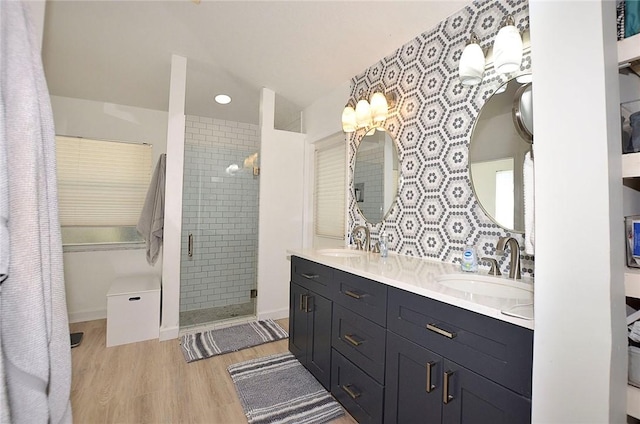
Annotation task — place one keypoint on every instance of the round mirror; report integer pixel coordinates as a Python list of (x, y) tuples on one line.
[(375, 176), (501, 137)]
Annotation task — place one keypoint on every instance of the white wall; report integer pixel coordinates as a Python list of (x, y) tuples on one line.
[(579, 368), (109, 121), (170, 324), (281, 203), (88, 275), (321, 120)]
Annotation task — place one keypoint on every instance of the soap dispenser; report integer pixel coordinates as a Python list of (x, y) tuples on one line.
[(469, 261), (383, 243)]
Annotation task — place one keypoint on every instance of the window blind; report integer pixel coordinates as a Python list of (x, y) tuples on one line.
[(101, 183), (330, 191)]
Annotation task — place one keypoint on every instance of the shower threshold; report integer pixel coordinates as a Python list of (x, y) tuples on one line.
[(217, 316)]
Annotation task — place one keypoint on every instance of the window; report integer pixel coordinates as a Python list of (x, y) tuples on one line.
[(330, 191), (102, 186)]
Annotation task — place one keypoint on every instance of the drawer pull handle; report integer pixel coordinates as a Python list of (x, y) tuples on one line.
[(310, 276), (352, 294), (430, 386), (440, 331), (350, 339), (132, 299), (446, 397), (352, 394)]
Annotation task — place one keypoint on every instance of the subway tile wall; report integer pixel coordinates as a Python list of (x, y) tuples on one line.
[(368, 174), (220, 209), (436, 211)]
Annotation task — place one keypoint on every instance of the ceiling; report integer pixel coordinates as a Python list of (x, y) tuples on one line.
[(120, 51)]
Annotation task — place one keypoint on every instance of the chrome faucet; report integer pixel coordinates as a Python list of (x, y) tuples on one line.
[(514, 263), (362, 244), (495, 268)]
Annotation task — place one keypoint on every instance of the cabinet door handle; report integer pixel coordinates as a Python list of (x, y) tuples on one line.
[(308, 308), (350, 339), (190, 245), (310, 276), (430, 386), (352, 394), (446, 397), (352, 294), (440, 331), (302, 296)]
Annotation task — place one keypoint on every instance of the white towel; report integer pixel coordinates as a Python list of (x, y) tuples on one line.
[(529, 217), (34, 330), (151, 222)]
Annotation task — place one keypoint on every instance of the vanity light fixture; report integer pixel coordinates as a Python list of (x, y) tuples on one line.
[(505, 56), (472, 63), (363, 114), (507, 48), (369, 115), (349, 122)]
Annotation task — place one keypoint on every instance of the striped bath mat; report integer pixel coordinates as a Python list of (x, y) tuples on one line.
[(230, 339), (278, 389)]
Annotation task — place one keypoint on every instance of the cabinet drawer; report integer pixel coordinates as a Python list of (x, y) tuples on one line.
[(361, 395), (359, 340), (362, 296), (312, 276), (501, 351)]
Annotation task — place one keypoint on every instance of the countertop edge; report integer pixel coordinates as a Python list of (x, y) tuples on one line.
[(359, 266)]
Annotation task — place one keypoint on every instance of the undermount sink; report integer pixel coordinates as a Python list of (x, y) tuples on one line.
[(342, 253), (487, 285)]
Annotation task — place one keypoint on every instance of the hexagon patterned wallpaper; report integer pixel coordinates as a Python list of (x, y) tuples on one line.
[(436, 210)]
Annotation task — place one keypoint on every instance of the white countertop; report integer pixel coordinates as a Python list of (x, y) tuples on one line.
[(417, 275)]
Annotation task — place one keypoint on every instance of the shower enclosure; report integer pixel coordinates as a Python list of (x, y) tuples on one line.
[(218, 271)]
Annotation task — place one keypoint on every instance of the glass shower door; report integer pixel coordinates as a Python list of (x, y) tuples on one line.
[(219, 226)]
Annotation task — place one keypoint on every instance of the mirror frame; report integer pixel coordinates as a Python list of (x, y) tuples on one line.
[(526, 136)]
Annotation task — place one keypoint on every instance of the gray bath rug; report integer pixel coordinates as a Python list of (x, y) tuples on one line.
[(230, 339), (278, 389)]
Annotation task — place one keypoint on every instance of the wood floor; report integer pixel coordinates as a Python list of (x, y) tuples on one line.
[(150, 382)]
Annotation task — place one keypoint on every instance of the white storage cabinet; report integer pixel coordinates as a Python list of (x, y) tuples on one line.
[(133, 309)]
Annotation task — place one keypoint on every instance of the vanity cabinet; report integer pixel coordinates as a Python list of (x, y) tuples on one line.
[(453, 365), (398, 357), (498, 350), (424, 387), (310, 318), (359, 346)]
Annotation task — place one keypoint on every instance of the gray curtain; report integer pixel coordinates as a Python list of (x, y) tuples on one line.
[(35, 363)]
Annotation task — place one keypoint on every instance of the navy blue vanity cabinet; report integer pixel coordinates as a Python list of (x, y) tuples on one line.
[(414, 383), (359, 346), (310, 318), (454, 366), (360, 394)]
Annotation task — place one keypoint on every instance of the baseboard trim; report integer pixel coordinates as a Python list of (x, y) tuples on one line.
[(169, 333), (273, 314), (87, 316)]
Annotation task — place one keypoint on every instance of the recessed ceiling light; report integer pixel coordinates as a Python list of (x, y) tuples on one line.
[(222, 99)]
